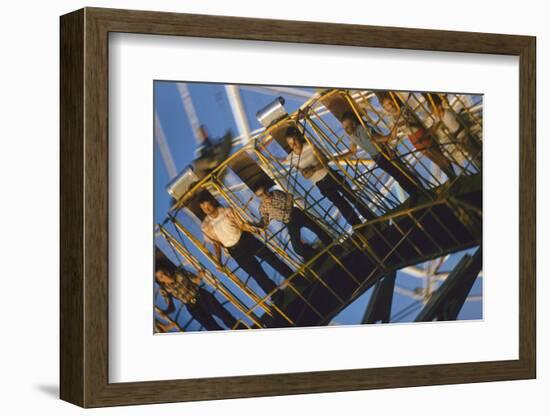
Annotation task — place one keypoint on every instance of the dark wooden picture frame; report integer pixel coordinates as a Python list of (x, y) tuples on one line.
[(84, 207)]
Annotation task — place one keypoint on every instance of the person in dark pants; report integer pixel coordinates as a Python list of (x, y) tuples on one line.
[(278, 206), (222, 227), (185, 286), (367, 140), (332, 185)]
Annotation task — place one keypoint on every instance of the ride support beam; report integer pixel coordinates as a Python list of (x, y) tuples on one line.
[(380, 302), (447, 301)]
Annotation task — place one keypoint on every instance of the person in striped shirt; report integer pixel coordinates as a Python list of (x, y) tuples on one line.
[(181, 284), (277, 205)]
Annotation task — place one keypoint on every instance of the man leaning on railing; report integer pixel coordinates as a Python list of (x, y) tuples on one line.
[(277, 205), (367, 140)]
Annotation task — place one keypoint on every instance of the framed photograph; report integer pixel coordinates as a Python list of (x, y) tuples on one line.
[(257, 207)]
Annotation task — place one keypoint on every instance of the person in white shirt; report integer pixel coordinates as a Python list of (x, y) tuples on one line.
[(366, 139), (223, 228), (313, 166), (452, 134), (408, 123)]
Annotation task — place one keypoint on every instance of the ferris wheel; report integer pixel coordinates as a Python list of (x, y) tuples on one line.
[(426, 249)]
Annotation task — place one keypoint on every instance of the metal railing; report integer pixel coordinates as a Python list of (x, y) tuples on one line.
[(373, 190)]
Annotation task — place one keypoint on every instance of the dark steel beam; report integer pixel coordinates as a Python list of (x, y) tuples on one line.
[(380, 302), (446, 303)]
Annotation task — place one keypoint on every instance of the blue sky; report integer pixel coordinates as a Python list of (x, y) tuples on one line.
[(214, 111)]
